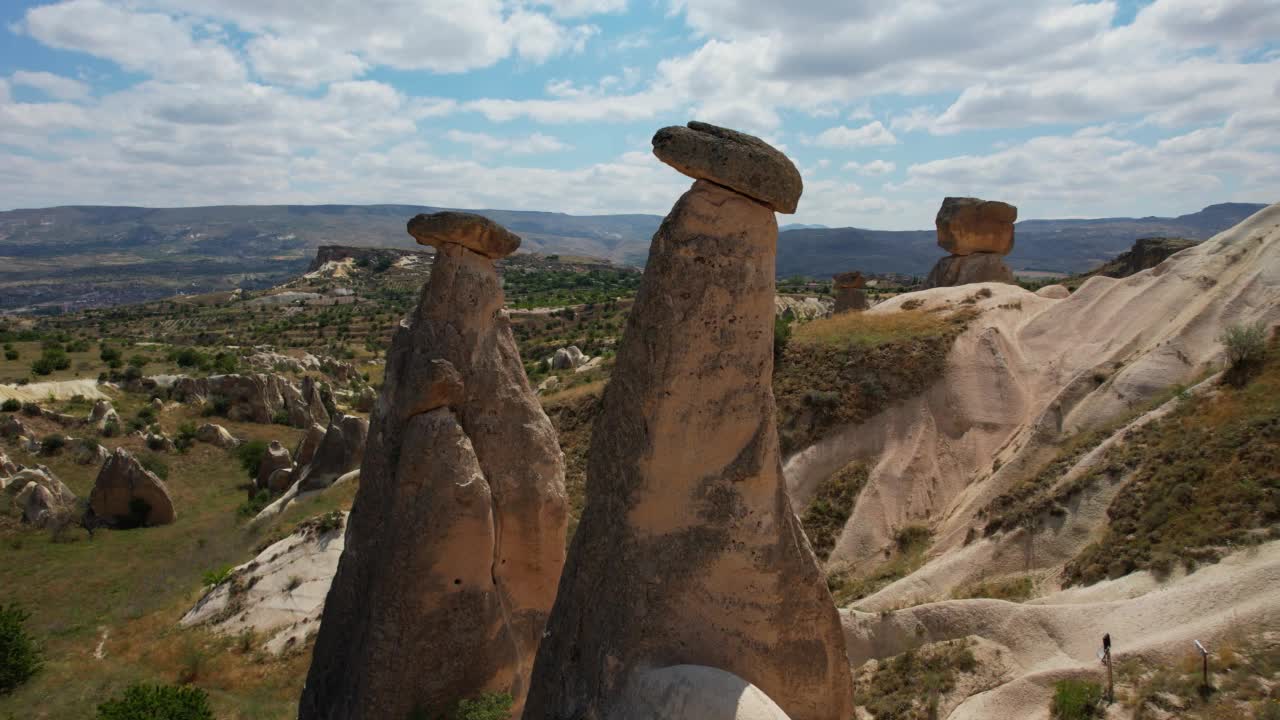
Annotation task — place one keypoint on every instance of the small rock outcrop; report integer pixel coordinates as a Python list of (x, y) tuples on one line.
[(280, 593), (89, 452), (313, 410), (978, 234), (850, 294), (691, 534), (456, 536), (102, 415), (307, 447), (339, 452), (567, 358), (40, 495), (275, 458), (255, 397), (12, 426), (216, 435), (127, 494), (1054, 292)]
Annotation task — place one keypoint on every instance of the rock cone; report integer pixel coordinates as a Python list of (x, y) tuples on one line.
[(127, 494), (456, 537), (687, 530)]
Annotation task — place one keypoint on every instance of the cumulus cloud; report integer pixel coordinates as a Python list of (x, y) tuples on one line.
[(870, 135), (54, 86), (527, 145), (874, 167)]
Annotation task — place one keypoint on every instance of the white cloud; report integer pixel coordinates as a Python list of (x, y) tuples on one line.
[(580, 8), (301, 61), (152, 43), (533, 144), (55, 86), (874, 167), (870, 135)]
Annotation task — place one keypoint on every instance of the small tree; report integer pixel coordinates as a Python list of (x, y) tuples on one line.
[(19, 656), (1246, 347)]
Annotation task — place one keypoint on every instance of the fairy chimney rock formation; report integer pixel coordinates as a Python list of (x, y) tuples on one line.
[(691, 534), (849, 292), (457, 535), (977, 233)]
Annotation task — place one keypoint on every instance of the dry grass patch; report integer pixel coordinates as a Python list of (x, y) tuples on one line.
[(845, 369), (831, 506), (909, 686)]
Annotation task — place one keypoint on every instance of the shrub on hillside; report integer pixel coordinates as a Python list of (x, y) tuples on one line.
[(1246, 349), (155, 465), (11, 405), (11, 355), (1076, 700), (489, 706), (250, 455), (19, 656), (52, 443), (152, 702)]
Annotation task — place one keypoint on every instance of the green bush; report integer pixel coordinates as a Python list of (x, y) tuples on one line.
[(489, 706), (251, 454), (11, 405), (53, 443), (213, 578), (255, 504), (1076, 700), (157, 702), (11, 355), (19, 656)]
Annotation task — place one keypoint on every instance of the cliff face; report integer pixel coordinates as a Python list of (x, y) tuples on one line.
[(361, 255)]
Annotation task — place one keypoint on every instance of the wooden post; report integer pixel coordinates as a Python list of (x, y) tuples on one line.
[(1111, 684), (1204, 656)]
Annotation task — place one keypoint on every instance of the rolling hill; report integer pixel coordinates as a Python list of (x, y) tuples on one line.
[(61, 258)]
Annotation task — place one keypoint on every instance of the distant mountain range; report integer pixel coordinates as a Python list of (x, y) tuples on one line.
[(84, 256)]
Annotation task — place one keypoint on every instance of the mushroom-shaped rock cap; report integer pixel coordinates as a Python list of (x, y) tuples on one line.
[(474, 232), (852, 279), (970, 225), (738, 161)]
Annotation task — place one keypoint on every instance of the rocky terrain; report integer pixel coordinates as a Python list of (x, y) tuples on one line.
[(847, 500)]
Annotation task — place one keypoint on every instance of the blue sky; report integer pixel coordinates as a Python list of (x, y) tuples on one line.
[(1066, 109)]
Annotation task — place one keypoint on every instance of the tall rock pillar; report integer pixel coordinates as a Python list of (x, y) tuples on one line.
[(456, 538), (688, 552)]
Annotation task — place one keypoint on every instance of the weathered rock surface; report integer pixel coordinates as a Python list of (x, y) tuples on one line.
[(307, 447), (970, 225), (456, 536), (276, 458), (40, 495), (280, 480), (1054, 292), (691, 534), (801, 309), (12, 426), (216, 435), (735, 160), (280, 593), (567, 358), (255, 397), (849, 292), (339, 452), (7, 466), (313, 412), (121, 483), (102, 415), (474, 232), (89, 452), (955, 270)]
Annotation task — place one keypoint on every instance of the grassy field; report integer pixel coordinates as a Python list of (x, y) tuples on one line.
[(120, 594)]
